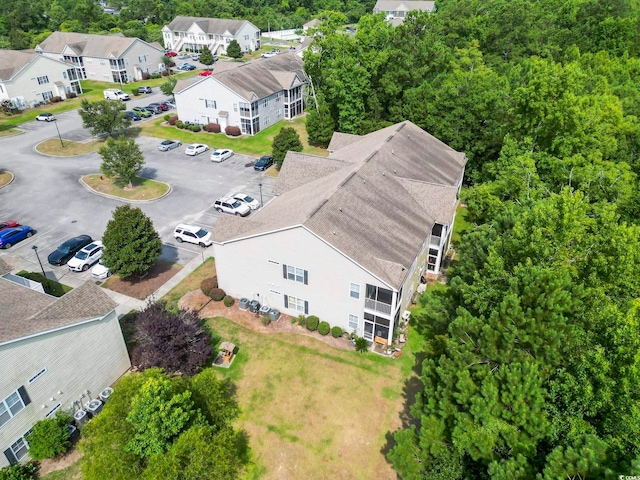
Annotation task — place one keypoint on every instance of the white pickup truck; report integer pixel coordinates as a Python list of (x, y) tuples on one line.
[(115, 94)]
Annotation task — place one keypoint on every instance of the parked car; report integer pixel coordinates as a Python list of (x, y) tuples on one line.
[(264, 163), (195, 57), (196, 149), (183, 56), (188, 67), (276, 51), (171, 54), (144, 89), (161, 105), (86, 257), (268, 54), (100, 271), (231, 205), (205, 73), (11, 236), (192, 234), (170, 102), (134, 116), (68, 249), (143, 112), (167, 145), (249, 200), (215, 58), (154, 108), (115, 94), (221, 155), (46, 117), (8, 224)]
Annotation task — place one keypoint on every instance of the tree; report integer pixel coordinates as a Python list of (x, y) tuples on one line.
[(286, 140), (175, 342), (320, 123), (131, 245), (168, 61), (121, 158), (206, 57), (103, 116), (233, 49), (168, 86), (19, 471), (49, 437)]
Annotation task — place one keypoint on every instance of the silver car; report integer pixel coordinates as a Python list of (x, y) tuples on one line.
[(167, 145)]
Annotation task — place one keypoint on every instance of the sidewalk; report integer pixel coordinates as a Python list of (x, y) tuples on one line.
[(189, 267)]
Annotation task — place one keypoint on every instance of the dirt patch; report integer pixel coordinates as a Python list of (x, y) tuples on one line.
[(140, 188), (141, 288), (196, 300), (49, 465), (5, 177)]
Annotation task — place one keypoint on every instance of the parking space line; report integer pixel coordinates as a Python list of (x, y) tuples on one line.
[(179, 248)]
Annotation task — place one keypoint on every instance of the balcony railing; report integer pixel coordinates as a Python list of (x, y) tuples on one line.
[(435, 241), (377, 306)]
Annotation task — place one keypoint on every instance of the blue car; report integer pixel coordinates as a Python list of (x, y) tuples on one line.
[(11, 236)]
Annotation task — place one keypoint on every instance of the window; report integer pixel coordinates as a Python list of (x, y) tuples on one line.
[(353, 322), (297, 304), (278, 113), (354, 290), (267, 120), (103, 63), (210, 104), (42, 80), (296, 274), (19, 449), (265, 103), (47, 95), (246, 37), (235, 107), (11, 405), (142, 58)]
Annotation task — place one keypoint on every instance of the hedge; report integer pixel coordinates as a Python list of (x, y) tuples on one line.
[(195, 128), (324, 328), (232, 131), (208, 284), (72, 95), (173, 120), (146, 76), (213, 128), (217, 294), (55, 99), (228, 301), (336, 332), (312, 323)]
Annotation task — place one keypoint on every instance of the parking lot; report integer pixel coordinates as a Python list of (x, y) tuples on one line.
[(46, 193)]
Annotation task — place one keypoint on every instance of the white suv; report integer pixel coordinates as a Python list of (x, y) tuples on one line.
[(232, 205), (86, 257), (192, 234)]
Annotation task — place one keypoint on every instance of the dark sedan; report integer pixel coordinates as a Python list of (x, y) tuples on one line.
[(134, 116), (68, 249), (11, 236), (161, 105), (264, 163), (154, 108)]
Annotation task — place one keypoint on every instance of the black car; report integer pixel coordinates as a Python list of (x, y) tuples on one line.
[(154, 108), (68, 249), (264, 163), (134, 116)]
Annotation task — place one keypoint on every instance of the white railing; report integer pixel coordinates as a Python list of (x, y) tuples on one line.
[(377, 306)]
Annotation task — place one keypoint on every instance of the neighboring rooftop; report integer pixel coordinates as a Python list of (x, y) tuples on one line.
[(25, 312), (403, 5), (12, 61), (213, 26), (87, 44), (375, 199)]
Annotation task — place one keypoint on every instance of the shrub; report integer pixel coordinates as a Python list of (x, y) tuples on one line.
[(265, 321), (232, 131), (212, 128), (312, 323), (165, 73), (293, 320), (49, 437), (55, 99), (72, 95), (179, 124), (361, 345), (228, 301), (208, 284), (155, 75), (173, 120), (302, 320), (336, 332), (146, 76), (167, 117), (195, 128), (217, 294), (324, 328), (135, 92), (19, 472)]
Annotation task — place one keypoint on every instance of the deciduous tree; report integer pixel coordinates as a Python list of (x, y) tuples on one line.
[(121, 158), (286, 140), (320, 124), (103, 116)]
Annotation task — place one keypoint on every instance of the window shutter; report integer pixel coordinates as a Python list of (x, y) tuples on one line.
[(286, 301), (306, 277), (10, 456), (306, 307), (25, 398), (284, 271)]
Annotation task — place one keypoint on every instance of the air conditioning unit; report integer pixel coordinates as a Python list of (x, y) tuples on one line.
[(80, 417), (94, 407), (106, 393)]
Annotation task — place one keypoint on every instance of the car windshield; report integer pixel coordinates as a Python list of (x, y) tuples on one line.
[(64, 249), (236, 204), (248, 199), (201, 233), (81, 255)]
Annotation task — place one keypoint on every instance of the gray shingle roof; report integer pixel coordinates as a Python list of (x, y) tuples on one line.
[(375, 199), (213, 26), (407, 5), (11, 61), (25, 312), (4, 267), (339, 140), (88, 45)]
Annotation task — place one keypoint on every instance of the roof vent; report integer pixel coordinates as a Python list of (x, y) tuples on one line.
[(340, 209), (394, 171), (392, 152), (383, 174), (334, 232)]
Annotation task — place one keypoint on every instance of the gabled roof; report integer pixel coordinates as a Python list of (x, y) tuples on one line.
[(257, 79), (25, 312), (375, 199), (213, 26), (12, 61), (403, 5), (89, 45), (311, 23)]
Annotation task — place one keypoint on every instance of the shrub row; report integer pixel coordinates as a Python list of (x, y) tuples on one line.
[(208, 284), (313, 323), (189, 126), (212, 128)]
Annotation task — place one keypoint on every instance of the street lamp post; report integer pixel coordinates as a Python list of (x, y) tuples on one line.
[(260, 185), (59, 136), (35, 249)]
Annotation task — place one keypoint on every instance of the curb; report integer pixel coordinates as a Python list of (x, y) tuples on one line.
[(13, 177), (125, 200), (35, 149), (18, 131)]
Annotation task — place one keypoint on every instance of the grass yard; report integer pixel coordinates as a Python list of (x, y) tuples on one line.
[(460, 226), (50, 286), (9, 133), (52, 147), (192, 282), (143, 188), (312, 411), (5, 177), (72, 472)]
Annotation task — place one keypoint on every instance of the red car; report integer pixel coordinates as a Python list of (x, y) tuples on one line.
[(205, 73), (172, 54), (8, 224)]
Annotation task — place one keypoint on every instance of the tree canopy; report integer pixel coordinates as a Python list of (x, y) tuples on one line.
[(103, 116), (121, 158), (286, 140)]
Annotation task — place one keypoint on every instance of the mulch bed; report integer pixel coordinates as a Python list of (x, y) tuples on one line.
[(196, 300), (134, 287)]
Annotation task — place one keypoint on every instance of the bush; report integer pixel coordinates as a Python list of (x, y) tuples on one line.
[(212, 128), (228, 301), (208, 284), (302, 320), (179, 124), (165, 73), (324, 328), (232, 131), (361, 345), (72, 95), (173, 120), (312, 323), (265, 321), (293, 320), (336, 332), (167, 117), (55, 99), (19, 472), (155, 75), (135, 92), (195, 128), (217, 294), (49, 437), (146, 76)]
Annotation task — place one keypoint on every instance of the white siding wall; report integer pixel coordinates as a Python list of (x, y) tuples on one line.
[(273, 112), (85, 357), (152, 62), (191, 106), (250, 43), (25, 84), (98, 69), (252, 268)]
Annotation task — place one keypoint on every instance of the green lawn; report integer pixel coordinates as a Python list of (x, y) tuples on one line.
[(460, 226), (72, 472), (50, 286)]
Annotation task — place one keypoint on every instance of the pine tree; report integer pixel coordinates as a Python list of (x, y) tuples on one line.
[(206, 57), (285, 141), (233, 49)]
